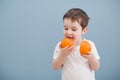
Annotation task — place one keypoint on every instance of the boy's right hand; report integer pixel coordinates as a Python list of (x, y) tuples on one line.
[(65, 51)]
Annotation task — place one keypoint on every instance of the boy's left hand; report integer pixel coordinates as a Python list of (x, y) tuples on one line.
[(89, 56)]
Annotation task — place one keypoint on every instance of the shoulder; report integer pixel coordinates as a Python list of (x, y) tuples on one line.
[(57, 45), (90, 41)]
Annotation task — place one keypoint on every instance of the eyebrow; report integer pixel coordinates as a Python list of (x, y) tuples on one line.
[(74, 27), (71, 27)]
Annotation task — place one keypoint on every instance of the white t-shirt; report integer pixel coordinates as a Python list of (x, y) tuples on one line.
[(75, 66)]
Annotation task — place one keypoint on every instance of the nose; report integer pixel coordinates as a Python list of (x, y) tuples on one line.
[(69, 32)]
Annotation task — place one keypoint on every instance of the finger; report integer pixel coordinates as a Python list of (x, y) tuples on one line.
[(86, 56)]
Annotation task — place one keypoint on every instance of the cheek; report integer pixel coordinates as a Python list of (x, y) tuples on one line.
[(78, 35), (64, 33)]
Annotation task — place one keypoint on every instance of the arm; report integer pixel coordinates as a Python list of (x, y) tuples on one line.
[(93, 58), (58, 62), (93, 62)]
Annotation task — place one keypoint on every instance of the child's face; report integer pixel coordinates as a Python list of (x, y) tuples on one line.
[(73, 30)]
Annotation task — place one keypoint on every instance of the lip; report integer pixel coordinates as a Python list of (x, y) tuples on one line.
[(70, 38)]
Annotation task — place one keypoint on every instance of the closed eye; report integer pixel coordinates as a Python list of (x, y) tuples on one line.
[(65, 28), (74, 29)]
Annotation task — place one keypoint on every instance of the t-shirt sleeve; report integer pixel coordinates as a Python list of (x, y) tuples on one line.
[(56, 51), (94, 50)]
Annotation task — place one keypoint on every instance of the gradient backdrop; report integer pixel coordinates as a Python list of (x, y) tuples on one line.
[(30, 29)]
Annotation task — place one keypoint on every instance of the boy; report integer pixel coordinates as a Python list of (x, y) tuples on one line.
[(75, 66)]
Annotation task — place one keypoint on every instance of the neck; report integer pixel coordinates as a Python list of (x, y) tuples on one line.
[(78, 42)]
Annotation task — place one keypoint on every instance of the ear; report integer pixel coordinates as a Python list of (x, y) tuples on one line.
[(84, 30)]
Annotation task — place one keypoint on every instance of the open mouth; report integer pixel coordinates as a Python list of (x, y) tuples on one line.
[(72, 38)]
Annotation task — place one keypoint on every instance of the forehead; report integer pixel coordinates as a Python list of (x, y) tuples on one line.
[(69, 22)]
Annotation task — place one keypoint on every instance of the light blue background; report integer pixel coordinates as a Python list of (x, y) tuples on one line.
[(30, 29)]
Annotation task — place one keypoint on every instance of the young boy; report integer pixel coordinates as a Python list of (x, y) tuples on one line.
[(75, 66)]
